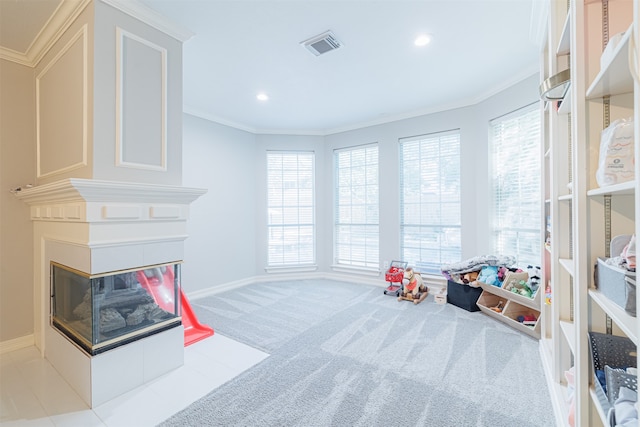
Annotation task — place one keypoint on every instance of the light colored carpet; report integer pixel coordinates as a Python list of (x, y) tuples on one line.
[(345, 354)]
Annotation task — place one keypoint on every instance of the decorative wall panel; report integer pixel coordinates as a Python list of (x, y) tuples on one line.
[(61, 109), (141, 92)]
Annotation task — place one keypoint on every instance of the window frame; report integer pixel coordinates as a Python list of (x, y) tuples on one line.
[(311, 261), (414, 254), (371, 255), (533, 157)]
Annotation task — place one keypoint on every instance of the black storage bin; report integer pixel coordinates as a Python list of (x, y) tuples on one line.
[(463, 296)]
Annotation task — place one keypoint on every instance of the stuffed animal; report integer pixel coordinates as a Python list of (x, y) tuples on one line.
[(412, 283), (470, 278), (534, 278), (413, 289)]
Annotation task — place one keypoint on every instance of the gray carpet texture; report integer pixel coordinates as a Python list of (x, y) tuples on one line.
[(344, 354)]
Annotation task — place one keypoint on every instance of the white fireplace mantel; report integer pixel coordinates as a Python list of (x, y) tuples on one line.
[(95, 201), (92, 190)]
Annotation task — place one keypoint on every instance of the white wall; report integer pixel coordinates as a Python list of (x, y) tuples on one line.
[(226, 234), (473, 122), (17, 168), (227, 241), (221, 247)]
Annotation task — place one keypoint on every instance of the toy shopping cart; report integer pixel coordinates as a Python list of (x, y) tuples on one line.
[(394, 276)]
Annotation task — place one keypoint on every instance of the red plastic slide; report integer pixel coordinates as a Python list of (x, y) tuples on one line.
[(162, 293)]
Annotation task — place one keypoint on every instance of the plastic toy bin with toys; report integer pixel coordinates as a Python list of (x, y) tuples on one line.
[(394, 276)]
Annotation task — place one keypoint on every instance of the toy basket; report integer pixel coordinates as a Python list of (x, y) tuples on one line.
[(617, 378), (395, 273), (613, 352), (394, 276)]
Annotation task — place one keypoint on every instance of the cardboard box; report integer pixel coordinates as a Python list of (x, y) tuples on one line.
[(440, 297)]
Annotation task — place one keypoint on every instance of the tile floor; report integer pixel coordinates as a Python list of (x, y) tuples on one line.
[(32, 393)]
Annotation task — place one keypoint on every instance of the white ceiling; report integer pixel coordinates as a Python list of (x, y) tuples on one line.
[(242, 47)]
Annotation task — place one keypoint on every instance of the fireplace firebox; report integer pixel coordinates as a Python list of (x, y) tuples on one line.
[(103, 311)]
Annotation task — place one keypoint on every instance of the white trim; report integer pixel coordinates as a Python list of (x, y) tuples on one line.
[(120, 35), (349, 278), (188, 109), (92, 190), (59, 22), (291, 269), (81, 33), (16, 344), (149, 16), (214, 290), (343, 268)]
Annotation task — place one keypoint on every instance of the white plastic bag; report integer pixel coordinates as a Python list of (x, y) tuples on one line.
[(616, 163)]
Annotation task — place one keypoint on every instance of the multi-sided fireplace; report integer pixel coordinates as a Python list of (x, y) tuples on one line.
[(103, 311)]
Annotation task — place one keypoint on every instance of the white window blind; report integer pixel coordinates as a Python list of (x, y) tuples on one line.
[(356, 207), (430, 200), (291, 208), (516, 185)]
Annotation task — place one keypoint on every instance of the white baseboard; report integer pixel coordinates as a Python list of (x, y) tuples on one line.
[(341, 277), (16, 343)]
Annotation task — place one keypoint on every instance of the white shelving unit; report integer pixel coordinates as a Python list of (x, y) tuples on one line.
[(584, 217)]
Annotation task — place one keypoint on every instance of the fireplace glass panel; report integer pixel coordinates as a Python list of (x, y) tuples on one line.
[(104, 311)]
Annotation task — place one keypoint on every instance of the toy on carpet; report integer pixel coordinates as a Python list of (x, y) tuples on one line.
[(413, 288), (395, 276)]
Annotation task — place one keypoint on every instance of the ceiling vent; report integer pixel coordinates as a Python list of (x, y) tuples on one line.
[(323, 43)]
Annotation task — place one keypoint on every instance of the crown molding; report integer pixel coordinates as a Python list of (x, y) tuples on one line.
[(66, 14), (150, 17), (61, 19)]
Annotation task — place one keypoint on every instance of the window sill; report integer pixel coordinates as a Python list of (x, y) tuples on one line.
[(291, 268), (369, 271)]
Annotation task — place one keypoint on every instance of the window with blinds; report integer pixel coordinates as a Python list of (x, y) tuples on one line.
[(291, 209), (356, 225), (430, 212), (516, 185)]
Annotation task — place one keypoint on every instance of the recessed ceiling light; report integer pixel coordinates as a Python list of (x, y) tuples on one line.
[(422, 40), (262, 97)]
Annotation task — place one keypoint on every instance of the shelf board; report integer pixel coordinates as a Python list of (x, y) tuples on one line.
[(625, 322), (615, 78), (622, 189), (567, 264), (569, 331), (565, 37)]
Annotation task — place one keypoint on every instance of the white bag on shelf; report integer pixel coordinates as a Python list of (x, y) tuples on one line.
[(616, 162)]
